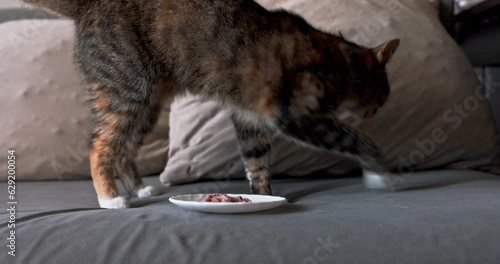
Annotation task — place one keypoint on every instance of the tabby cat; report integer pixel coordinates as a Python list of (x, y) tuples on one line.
[(270, 68)]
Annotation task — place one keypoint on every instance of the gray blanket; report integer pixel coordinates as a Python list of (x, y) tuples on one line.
[(436, 217)]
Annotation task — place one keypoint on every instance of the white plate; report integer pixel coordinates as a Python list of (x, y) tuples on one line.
[(259, 203)]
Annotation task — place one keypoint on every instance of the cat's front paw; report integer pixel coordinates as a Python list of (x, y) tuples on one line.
[(147, 191), (261, 188), (114, 203), (374, 180)]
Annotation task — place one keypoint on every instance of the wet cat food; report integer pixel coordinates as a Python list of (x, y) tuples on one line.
[(224, 198)]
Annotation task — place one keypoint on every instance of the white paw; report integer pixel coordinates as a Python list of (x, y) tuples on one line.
[(373, 180), (147, 191), (115, 203)]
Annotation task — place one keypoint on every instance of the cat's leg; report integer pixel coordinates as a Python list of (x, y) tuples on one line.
[(255, 146), (330, 134), (119, 124), (109, 130), (125, 164)]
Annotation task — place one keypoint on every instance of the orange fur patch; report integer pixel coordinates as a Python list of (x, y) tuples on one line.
[(103, 178), (100, 154)]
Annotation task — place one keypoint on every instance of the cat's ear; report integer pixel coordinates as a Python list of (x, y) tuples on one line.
[(385, 51)]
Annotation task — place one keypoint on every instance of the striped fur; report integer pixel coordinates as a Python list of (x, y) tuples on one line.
[(272, 69), (255, 140)]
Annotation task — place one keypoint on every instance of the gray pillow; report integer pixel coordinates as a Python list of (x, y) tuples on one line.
[(12, 14), (435, 117)]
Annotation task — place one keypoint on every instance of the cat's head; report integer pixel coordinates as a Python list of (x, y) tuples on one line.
[(368, 87)]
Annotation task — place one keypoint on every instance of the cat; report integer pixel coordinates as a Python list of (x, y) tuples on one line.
[(271, 69)]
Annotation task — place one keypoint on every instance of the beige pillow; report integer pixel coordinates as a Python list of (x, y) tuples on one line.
[(420, 127), (43, 106), (435, 115), (203, 145)]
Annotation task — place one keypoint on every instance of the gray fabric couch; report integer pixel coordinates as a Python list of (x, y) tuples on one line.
[(434, 217)]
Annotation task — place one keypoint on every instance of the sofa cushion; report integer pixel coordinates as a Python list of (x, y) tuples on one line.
[(440, 217)]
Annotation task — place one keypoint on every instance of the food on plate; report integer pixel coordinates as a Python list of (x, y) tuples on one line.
[(224, 198)]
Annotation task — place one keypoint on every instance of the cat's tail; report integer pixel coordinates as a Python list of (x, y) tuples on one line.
[(66, 8)]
